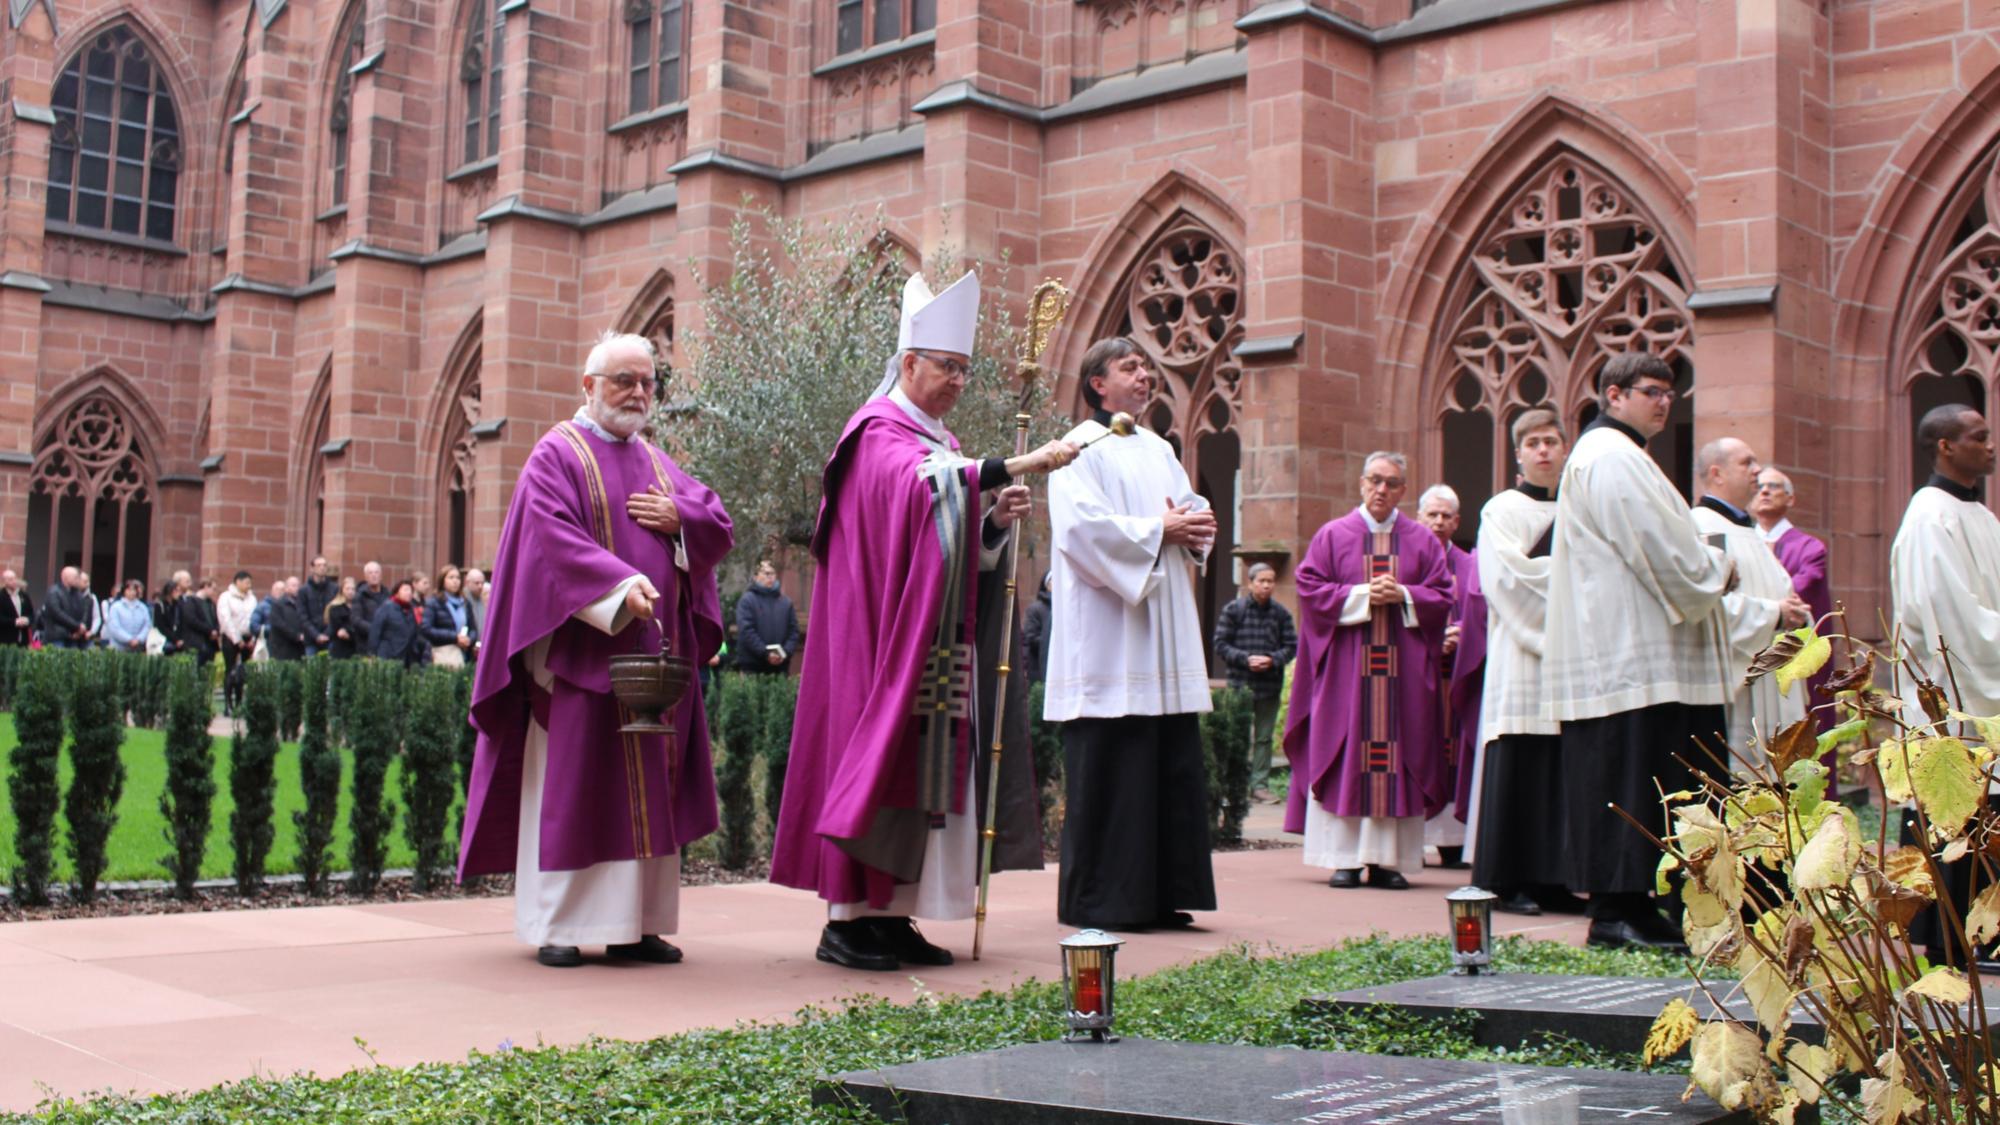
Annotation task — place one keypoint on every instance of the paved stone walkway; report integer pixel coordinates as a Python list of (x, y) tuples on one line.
[(187, 1001)]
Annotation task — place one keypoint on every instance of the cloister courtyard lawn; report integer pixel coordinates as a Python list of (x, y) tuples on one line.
[(139, 842)]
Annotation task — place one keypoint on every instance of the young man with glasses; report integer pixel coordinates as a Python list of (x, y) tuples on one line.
[(1633, 660)]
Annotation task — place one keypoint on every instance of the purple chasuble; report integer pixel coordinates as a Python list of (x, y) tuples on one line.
[(888, 748), (566, 543), (1365, 727), (1468, 676), (1804, 558)]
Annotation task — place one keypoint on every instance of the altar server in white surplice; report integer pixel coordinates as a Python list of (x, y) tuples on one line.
[(1763, 601), (1126, 674), (1518, 814), (1632, 661), (1944, 568), (1944, 573)]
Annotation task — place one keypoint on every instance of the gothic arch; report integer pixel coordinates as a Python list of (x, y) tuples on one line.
[(175, 64), (308, 484), (94, 483), (1570, 267), (1170, 277), (455, 410), (1101, 285), (650, 313)]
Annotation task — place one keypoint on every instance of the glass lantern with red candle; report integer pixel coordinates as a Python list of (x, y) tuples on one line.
[(1089, 984), (1471, 930)]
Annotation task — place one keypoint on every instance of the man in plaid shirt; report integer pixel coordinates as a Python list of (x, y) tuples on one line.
[(1254, 639)]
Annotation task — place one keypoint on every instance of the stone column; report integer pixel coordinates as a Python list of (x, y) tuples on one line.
[(1310, 407)]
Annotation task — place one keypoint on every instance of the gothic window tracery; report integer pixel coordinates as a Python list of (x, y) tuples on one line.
[(90, 498), (115, 152), (459, 481), (1951, 350), (1570, 271), (340, 117), (480, 73)]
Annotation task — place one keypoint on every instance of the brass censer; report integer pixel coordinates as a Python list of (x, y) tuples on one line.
[(650, 684)]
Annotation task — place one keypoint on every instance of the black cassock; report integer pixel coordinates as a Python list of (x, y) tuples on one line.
[(1522, 815), (1135, 830), (1628, 760)]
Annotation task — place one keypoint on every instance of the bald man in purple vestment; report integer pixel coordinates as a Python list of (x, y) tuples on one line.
[(1364, 733), (1439, 509), (608, 548), (1804, 558)]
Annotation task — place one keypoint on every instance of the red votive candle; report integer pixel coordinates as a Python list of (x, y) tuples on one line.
[(1467, 930), (1089, 990)]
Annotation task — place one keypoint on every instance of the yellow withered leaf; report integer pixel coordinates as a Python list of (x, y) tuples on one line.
[(1948, 785), (1946, 986), (1729, 1067), (1806, 663), (1884, 1102), (1909, 867), (1671, 1031), (1828, 859), (1988, 728), (1982, 918), (1808, 1066), (1895, 762), (1771, 996)]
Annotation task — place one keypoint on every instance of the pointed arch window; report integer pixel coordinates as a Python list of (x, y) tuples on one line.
[(90, 498), (868, 23), (340, 115), (480, 72), (1951, 339), (656, 70), (115, 152), (1183, 305), (1570, 271)]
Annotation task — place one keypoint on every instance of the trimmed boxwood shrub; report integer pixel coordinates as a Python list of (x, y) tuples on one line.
[(375, 728), (430, 771), (188, 803), (319, 775), (97, 773), (31, 778), (252, 776)]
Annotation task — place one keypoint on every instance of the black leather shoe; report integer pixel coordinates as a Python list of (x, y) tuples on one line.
[(1624, 935), (1556, 900), (1452, 858), (559, 956), (1517, 902), (1345, 877), (1174, 920), (902, 939), (854, 946), (1383, 879), (650, 949)]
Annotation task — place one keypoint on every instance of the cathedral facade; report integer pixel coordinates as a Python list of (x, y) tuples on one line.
[(295, 277)]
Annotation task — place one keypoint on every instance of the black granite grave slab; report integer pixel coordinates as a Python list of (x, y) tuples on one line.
[(1610, 1013), (1144, 1081)]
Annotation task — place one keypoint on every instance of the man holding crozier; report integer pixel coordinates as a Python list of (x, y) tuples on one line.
[(881, 804)]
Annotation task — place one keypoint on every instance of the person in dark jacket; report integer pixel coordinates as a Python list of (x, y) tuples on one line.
[(368, 598), (767, 628), (17, 610), (1255, 639), (66, 609), (167, 618), (1035, 634), (341, 641), (394, 634), (447, 618), (315, 594), (287, 632), (198, 623)]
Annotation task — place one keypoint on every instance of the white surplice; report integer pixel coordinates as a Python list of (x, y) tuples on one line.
[(1944, 573), (1125, 634), (1516, 588), (616, 902), (1750, 620), (1632, 589)]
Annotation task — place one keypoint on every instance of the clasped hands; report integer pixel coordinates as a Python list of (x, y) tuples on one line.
[(1184, 526), (1384, 590), (1794, 612)]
